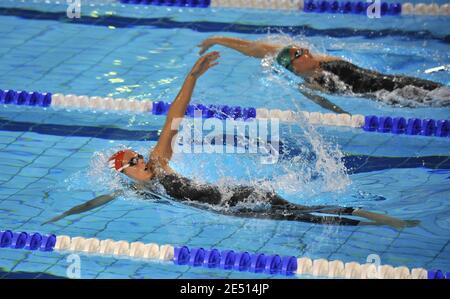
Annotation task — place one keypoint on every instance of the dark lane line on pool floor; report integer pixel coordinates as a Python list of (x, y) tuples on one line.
[(209, 26), (28, 275), (354, 163)]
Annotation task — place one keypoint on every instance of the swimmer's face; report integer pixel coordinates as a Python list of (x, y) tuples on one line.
[(138, 167), (302, 61)]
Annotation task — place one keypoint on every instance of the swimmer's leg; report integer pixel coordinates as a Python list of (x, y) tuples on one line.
[(380, 219), (328, 220), (277, 213), (284, 210), (91, 204)]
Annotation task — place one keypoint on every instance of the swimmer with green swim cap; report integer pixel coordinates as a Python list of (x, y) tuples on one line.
[(284, 58), (328, 74)]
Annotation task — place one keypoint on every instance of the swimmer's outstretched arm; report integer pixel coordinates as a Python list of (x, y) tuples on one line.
[(250, 48), (321, 101), (162, 152)]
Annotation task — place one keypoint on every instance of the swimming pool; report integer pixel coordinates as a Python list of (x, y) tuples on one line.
[(143, 53)]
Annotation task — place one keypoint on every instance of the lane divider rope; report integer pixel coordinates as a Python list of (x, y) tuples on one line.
[(213, 258), (179, 3), (309, 6), (349, 7), (371, 123), (361, 7), (411, 126)]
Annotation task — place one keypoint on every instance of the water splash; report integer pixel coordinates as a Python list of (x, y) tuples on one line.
[(100, 179)]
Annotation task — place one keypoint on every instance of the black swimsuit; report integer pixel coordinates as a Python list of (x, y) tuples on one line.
[(364, 81), (184, 189)]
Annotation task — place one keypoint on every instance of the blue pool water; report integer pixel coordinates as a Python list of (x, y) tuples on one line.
[(48, 157)]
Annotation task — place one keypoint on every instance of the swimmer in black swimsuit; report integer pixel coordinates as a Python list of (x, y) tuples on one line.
[(324, 73), (233, 200)]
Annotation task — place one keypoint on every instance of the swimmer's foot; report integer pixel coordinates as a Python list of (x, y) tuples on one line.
[(412, 223), (400, 224), (380, 219)]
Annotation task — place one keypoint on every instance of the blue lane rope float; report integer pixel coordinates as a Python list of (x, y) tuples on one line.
[(384, 124), (208, 111), (242, 261), (412, 126), (258, 263), (212, 258), (179, 3), (438, 274), (228, 257), (349, 7), (274, 264), (197, 257), (237, 261), (23, 98), (181, 255), (23, 240)]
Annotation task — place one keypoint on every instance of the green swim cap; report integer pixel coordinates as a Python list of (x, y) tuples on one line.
[(284, 58)]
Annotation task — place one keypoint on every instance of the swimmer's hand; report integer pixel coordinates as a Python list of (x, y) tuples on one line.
[(204, 63), (206, 44)]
